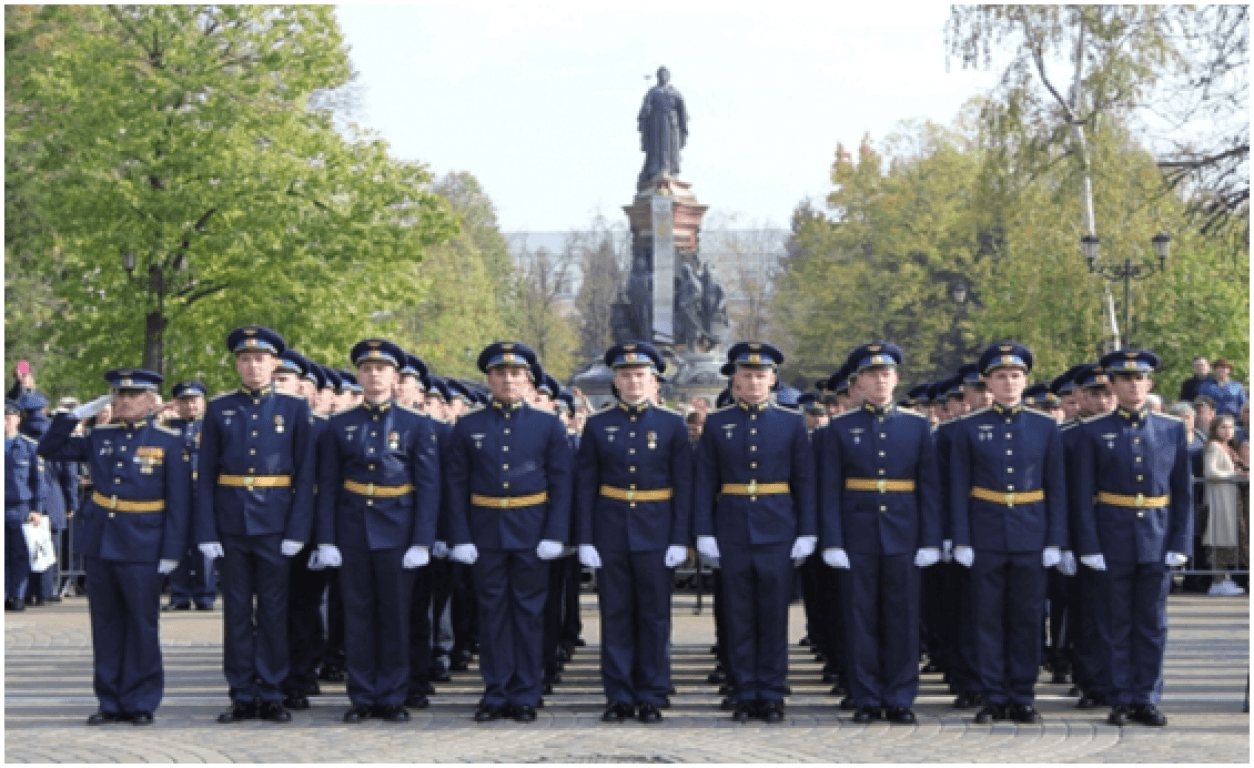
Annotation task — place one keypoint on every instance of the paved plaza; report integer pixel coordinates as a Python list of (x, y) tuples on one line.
[(48, 695)]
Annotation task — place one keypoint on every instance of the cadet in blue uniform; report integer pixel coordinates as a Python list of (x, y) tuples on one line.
[(572, 624), (1135, 515), (509, 480), (24, 493), (132, 531), (1008, 499), (254, 509), (754, 510), (544, 397), (881, 522), (1060, 619), (633, 505), (195, 578), (378, 506)]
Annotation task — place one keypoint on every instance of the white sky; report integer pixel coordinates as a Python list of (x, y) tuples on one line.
[(539, 100)]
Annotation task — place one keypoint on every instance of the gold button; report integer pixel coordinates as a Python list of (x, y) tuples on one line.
[(631, 450), (753, 465), (504, 466), (631, 469), (507, 430), (505, 485), (505, 448), (1010, 452), (1139, 478), (881, 453), (252, 451), (1010, 470), (881, 471), (753, 447)]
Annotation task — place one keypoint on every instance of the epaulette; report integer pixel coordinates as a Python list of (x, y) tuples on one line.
[(1038, 413), (107, 426), (475, 408), (168, 430), (28, 439), (291, 394), (724, 408), (850, 412), (974, 413), (910, 412), (592, 416), (1067, 425), (410, 409), (782, 409), (1096, 417), (669, 410), (221, 395), (1168, 416), (316, 415)]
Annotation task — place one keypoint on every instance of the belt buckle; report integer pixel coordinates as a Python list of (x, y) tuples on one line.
[(631, 495), (1140, 500), (752, 488), (881, 485), (113, 502), (1010, 499), (248, 481), (369, 489), (505, 502)]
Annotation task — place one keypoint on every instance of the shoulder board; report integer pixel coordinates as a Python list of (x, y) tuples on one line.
[(107, 426), (219, 397), (782, 409), (410, 409), (846, 414), (475, 408), (1098, 417), (1068, 425), (1176, 419), (973, 413), (910, 412), (316, 415), (168, 430), (1042, 415), (724, 408), (28, 439), (598, 414), (290, 394), (664, 409)]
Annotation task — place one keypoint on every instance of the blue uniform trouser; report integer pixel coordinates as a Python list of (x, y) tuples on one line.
[(1131, 617), (554, 606), (1061, 622), (306, 633), (934, 604), (882, 629), (635, 599), (1008, 599), (422, 622), (254, 657), (50, 579), (16, 556), (376, 625), (511, 588), (194, 579), (757, 586), (463, 607), (124, 601), (960, 625), (1089, 670), (572, 625)]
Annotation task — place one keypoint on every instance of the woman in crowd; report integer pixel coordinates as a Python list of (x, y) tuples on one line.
[(1223, 535)]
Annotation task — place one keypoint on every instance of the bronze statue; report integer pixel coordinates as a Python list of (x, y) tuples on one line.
[(663, 125)]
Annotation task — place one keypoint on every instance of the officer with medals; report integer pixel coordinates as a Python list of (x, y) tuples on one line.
[(881, 522), (1007, 495), (510, 481), (254, 510), (131, 532), (1134, 522), (24, 492), (633, 506), (194, 581), (377, 513), (754, 511)]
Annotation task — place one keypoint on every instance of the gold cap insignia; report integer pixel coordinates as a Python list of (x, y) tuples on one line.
[(755, 347), (873, 348), (507, 347), (629, 347), (1006, 348)]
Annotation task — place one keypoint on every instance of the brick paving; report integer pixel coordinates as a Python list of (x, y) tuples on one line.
[(48, 695)]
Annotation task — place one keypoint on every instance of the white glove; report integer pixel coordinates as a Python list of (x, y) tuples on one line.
[(464, 553), (1066, 565), (927, 557), (166, 567), (290, 548), (589, 557), (314, 563), (439, 550), (211, 550), (804, 546), (947, 551), (548, 550), (329, 556), (415, 557), (675, 556), (708, 546), (1051, 557), (1096, 562), (836, 557), (87, 410), (965, 556), (1175, 559)]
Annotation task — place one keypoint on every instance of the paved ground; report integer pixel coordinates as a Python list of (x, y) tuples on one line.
[(48, 695)]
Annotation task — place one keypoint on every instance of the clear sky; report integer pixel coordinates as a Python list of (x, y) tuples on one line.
[(539, 99)]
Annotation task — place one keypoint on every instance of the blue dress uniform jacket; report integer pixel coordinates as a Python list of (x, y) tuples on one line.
[(25, 489), (1088, 664), (195, 578), (259, 432), (135, 465)]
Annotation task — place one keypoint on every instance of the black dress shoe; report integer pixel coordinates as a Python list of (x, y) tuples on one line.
[(417, 701), (1059, 677), (459, 662), (838, 689), (666, 702), (847, 703), (1024, 713), (804, 641), (929, 668), (548, 689), (177, 607), (141, 718), (772, 711), (357, 715), (648, 713), (900, 716), (579, 642), (239, 711), (524, 714), (967, 700), (829, 677), (313, 689), (714, 649), (727, 704), (866, 715), (53, 599), (296, 700), (486, 713), (563, 655), (204, 606), (1091, 701), (439, 674), (1119, 716), (745, 711), (331, 674), (716, 677), (990, 713), (13, 604), (618, 712), (787, 690), (392, 713), (725, 690), (274, 712), (101, 718), (1148, 714)]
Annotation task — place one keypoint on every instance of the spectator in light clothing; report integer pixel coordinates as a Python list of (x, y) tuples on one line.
[(1228, 395), (1205, 408), (1223, 530), (1191, 387)]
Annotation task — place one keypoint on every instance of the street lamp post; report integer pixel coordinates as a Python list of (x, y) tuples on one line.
[(1127, 271)]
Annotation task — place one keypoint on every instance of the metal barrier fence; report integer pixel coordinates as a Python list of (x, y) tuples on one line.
[(1240, 555)]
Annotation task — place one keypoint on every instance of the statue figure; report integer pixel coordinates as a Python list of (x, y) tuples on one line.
[(688, 328), (640, 296), (714, 303), (663, 126)]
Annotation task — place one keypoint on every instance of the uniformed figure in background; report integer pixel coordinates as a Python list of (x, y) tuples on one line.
[(255, 510), (881, 522), (754, 511), (544, 396), (1135, 516), (509, 480), (1007, 495), (24, 493), (132, 532), (195, 580), (633, 506)]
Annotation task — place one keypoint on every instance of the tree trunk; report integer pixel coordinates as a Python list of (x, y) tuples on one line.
[(154, 352)]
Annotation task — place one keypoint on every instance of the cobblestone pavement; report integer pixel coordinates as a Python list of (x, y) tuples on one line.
[(48, 694)]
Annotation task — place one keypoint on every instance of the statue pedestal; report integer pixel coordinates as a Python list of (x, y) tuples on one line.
[(698, 375)]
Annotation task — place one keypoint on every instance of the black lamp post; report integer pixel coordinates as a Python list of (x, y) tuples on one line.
[(1127, 271)]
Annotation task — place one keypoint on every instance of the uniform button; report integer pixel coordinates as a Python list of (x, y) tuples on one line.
[(631, 487), (1007, 421), (631, 451), (373, 433), (1138, 459), (753, 431), (374, 418), (1009, 435), (753, 417), (504, 466), (505, 448), (753, 465), (883, 509), (112, 514), (881, 419), (1136, 441), (507, 430), (256, 402), (631, 469), (633, 418), (369, 502), (370, 467), (881, 471), (121, 464), (252, 470), (1139, 478), (505, 485), (117, 481), (633, 505), (631, 434), (1010, 486), (369, 450), (122, 448), (881, 453), (254, 433), (254, 416), (1009, 452), (252, 451), (883, 436), (1140, 514), (753, 447), (1010, 470)]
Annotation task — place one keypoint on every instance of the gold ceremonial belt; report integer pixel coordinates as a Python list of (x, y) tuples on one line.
[(754, 488), (113, 503), (883, 486), (382, 491), (255, 481), (509, 502), (631, 494), (1005, 498), (1135, 502)]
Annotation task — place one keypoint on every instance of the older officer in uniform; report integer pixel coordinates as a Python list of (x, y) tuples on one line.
[(1134, 513), (633, 505), (753, 509), (132, 531), (881, 522), (377, 514), (24, 493), (1008, 498), (254, 509), (509, 480), (195, 578)]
